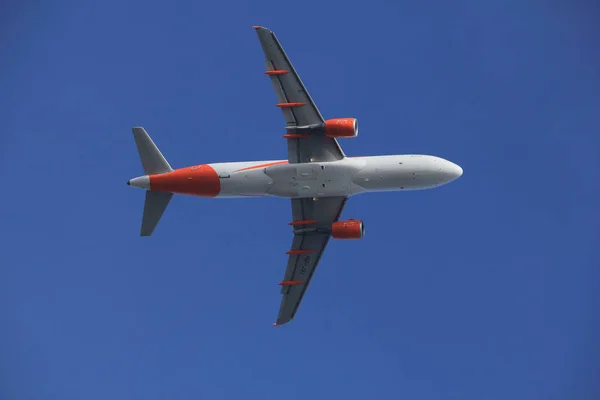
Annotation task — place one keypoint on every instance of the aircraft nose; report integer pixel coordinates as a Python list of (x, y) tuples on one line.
[(456, 170), (450, 171)]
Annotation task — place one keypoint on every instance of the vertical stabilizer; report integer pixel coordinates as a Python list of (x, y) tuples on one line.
[(152, 159)]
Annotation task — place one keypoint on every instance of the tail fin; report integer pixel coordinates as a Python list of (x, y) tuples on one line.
[(155, 205), (152, 159), (153, 163)]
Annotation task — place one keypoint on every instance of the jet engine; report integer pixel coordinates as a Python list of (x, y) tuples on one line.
[(350, 229), (341, 128)]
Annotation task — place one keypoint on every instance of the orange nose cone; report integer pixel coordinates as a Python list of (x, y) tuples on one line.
[(199, 180)]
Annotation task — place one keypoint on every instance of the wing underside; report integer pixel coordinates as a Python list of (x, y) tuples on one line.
[(308, 245), (312, 218), (298, 107)]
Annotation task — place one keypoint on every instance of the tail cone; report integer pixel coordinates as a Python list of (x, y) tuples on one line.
[(142, 182)]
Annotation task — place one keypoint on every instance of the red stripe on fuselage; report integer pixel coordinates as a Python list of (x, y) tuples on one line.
[(261, 166)]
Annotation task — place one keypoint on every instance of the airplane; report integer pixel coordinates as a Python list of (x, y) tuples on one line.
[(317, 176)]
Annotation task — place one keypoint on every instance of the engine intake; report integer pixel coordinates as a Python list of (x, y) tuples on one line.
[(350, 229), (341, 128)]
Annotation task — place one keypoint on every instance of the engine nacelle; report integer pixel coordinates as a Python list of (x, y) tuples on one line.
[(341, 128), (350, 229)]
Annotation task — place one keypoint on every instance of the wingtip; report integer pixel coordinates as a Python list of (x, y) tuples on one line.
[(256, 26), (276, 324)]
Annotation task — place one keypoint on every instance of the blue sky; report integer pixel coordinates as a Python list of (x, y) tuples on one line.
[(482, 289)]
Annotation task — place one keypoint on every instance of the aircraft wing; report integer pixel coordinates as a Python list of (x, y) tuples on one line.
[(308, 245), (299, 109)]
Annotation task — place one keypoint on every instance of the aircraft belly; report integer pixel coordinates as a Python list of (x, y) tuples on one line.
[(309, 180), (384, 178)]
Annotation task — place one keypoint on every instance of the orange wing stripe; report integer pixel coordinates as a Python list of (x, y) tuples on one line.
[(300, 251), (277, 72), (303, 222), (290, 283), (288, 105), (295, 136)]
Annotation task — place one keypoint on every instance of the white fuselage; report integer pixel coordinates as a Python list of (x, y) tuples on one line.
[(346, 177)]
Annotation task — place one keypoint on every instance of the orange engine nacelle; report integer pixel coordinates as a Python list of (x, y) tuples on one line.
[(341, 128), (351, 229)]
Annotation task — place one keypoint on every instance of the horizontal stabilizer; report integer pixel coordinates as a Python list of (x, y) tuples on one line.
[(153, 161), (154, 207)]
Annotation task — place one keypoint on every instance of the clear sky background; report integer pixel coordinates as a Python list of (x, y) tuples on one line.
[(486, 288)]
